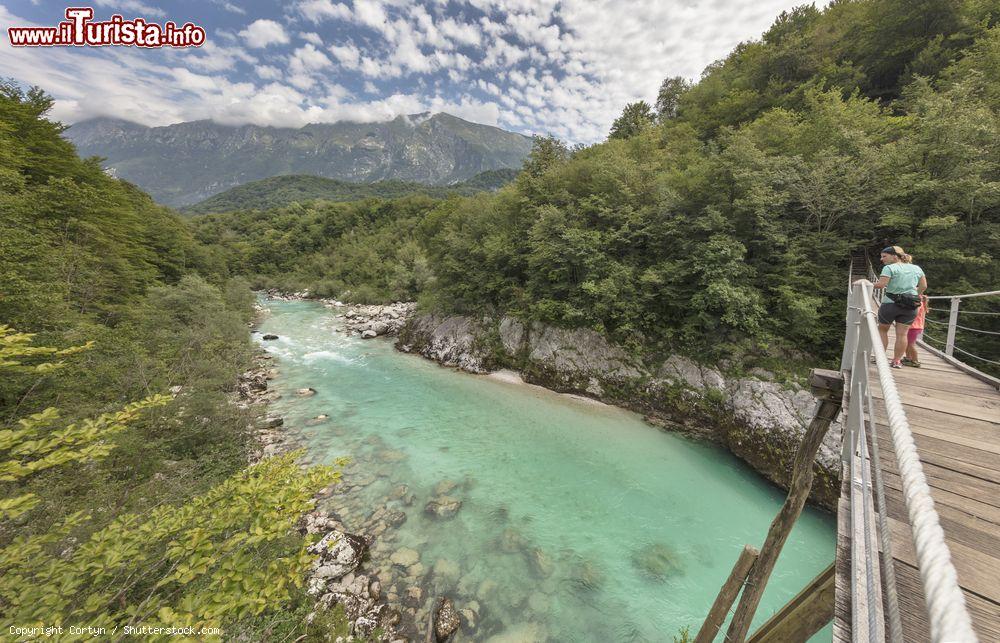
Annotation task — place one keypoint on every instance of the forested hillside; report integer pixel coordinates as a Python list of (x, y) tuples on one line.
[(123, 487), (279, 191), (719, 222)]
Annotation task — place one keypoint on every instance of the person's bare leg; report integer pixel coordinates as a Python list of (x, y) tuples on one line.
[(911, 352), (883, 330), (899, 349)]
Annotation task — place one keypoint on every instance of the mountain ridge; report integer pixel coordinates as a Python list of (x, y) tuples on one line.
[(184, 163)]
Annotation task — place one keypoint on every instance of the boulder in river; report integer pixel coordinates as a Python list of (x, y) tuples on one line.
[(657, 561), (270, 423), (306, 392), (539, 563), (269, 337), (405, 557), (444, 487), (443, 507), (339, 553), (446, 620)]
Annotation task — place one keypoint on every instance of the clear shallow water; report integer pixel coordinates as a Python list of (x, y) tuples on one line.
[(579, 522)]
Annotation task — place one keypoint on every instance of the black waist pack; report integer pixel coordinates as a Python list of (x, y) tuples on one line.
[(904, 299)]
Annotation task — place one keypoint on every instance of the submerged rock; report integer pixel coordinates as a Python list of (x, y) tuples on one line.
[(539, 563), (405, 557), (443, 507), (319, 419), (657, 561), (306, 392)]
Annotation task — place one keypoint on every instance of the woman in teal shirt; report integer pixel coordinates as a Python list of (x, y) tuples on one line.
[(900, 276)]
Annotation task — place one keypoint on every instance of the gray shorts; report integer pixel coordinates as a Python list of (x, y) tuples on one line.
[(890, 312)]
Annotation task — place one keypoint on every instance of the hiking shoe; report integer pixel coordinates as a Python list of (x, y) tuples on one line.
[(909, 362)]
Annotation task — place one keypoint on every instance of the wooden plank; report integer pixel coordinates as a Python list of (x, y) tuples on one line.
[(842, 591), (804, 615), (918, 417), (941, 478), (981, 536), (908, 377), (972, 507), (977, 572), (927, 445), (984, 612), (949, 403), (914, 390)]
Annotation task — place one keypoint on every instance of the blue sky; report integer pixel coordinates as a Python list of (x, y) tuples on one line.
[(565, 68)]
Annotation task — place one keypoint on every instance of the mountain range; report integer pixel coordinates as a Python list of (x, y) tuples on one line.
[(185, 163)]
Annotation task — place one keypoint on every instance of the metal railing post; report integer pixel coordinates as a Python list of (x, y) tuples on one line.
[(949, 345)]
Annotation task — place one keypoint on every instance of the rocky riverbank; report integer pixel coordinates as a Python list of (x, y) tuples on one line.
[(338, 574), (759, 420)]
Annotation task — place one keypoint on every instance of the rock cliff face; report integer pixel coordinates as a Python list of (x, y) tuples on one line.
[(758, 420), (184, 163)]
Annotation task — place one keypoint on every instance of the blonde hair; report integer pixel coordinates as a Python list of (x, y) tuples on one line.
[(905, 258)]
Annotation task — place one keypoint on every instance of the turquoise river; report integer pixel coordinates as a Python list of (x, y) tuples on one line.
[(579, 522)]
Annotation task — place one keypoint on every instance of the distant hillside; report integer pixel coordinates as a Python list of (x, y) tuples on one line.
[(186, 163), (278, 191)]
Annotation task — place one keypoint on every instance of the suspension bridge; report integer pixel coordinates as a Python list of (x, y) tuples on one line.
[(918, 521)]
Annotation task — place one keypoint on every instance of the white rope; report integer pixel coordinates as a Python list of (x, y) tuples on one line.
[(948, 616)]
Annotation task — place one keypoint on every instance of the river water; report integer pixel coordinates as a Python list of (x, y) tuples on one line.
[(578, 522)]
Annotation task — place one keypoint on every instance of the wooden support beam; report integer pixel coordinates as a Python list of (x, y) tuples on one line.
[(828, 387), (730, 590), (803, 616)]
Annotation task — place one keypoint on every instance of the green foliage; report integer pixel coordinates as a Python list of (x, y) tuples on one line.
[(153, 520), (221, 557), (636, 118), (280, 191)]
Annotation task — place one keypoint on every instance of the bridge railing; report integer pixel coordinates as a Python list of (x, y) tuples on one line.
[(872, 611)]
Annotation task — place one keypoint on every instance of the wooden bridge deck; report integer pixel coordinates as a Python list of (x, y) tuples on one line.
[(955, 421)]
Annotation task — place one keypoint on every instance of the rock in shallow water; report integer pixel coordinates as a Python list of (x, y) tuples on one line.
[(443, 507), (306, 392), (405, 557), (657, 561), (446, 620), (339, 554)]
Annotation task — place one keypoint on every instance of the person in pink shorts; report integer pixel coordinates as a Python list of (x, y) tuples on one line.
[(914, 333)]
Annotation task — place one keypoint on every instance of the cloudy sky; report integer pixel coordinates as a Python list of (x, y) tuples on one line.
[(561, 67)]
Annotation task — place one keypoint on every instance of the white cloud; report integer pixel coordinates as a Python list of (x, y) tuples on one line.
[(263, 32), (560, 66), (312, 37), (140, 9), (320, 10), (267, 72)]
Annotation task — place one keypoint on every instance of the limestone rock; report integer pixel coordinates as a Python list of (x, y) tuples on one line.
[(446, 621), (443, 507)]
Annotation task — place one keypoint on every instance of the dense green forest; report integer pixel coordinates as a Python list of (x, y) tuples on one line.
[(279, 191), (718, 222), (123, 479)]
